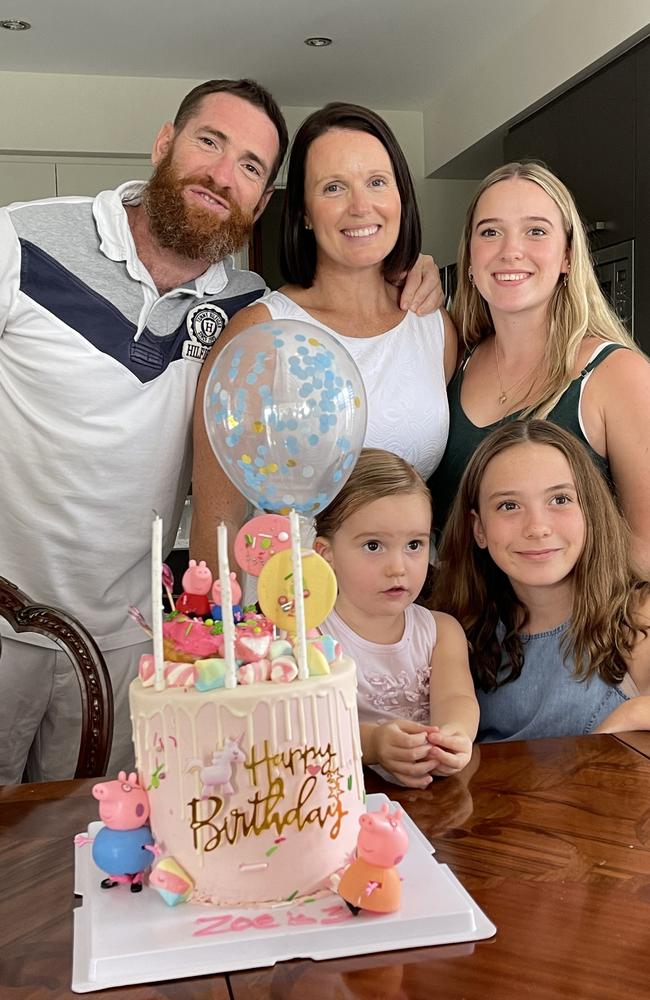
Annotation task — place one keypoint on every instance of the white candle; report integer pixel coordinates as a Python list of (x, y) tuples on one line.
[(298, 597), (230, 680), (156, 602)]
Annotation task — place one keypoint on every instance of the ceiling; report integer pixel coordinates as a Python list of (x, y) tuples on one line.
[(385, 54)]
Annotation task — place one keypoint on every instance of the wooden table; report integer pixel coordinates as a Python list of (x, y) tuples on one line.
[(552, 838)]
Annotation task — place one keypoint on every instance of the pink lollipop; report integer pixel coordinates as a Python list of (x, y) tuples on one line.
[(168, 584), (259, 539)]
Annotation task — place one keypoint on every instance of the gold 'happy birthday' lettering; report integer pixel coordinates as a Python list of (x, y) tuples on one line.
[(264, 811), (296, 760)]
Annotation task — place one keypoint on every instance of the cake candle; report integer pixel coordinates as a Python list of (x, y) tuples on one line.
[(230, 679), (298, 597), (156, 603)]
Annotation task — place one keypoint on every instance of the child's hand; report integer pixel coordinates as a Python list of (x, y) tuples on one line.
[(401, 747), (450, 749)]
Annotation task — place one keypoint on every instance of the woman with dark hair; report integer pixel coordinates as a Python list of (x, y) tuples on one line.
[(350, 230)]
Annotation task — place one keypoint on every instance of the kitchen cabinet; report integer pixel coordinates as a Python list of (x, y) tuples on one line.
[(27, 177), (587, 137), (642, 201)]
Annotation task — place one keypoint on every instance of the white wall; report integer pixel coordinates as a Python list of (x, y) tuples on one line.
[(541, 56), (119, 116)]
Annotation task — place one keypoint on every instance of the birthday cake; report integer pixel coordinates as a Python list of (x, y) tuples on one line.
[(255, 790)]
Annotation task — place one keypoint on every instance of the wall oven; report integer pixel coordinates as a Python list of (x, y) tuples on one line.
[(615, 272)]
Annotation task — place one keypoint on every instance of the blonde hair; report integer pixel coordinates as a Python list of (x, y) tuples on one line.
[(606, 591), (576, 310), (377, 474)]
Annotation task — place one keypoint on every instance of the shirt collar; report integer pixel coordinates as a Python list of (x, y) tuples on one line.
[(116, 239)]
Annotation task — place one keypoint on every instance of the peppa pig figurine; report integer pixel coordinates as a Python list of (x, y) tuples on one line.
[(124, 846), (371, 882), (215, 608), (197, 580)]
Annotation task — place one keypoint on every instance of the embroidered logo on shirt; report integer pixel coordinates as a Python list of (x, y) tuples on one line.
[(204, 324)]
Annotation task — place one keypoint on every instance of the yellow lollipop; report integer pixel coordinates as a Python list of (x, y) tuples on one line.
[(275, 591)]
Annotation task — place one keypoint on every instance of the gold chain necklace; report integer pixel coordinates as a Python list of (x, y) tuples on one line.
[(504, 393)]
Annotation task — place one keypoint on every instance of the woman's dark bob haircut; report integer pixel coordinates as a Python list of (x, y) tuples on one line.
[(298, 246)]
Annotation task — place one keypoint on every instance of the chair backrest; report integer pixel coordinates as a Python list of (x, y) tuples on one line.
[(92, 673)]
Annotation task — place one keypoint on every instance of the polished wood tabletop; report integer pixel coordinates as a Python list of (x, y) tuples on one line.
[(639, 741), (551, 838)]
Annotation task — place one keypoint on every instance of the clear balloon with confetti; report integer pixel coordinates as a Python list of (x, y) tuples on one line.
[(285, 412)]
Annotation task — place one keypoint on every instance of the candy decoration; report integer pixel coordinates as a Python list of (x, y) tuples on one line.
[(280, 647), (175, 674), (275, 590), (210, 673), (168, 584), (188, 639), (171, 881), (253, 673), (252, 647), (139, 619), (259, 539), (284, 669), (316, 660)]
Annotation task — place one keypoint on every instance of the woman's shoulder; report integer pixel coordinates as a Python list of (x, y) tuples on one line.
[(621, 374)]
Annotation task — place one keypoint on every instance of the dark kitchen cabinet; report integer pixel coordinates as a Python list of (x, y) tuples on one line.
[(587, 137), (642, 201), (596, 138)]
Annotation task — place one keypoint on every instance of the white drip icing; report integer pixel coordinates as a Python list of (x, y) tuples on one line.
[(287, 720), (314, 716)]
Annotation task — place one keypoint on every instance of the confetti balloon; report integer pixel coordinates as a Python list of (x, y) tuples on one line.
[(285, 412)]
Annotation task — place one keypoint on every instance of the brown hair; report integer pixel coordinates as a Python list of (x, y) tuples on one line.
[(298, 245), (377, 474), (576, 310), (247, 90), (606, 591)]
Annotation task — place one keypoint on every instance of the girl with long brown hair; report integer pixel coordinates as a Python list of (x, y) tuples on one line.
[(534, 564)]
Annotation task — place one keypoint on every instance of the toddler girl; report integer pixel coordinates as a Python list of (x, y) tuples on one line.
[(534, 564), (375, 535)]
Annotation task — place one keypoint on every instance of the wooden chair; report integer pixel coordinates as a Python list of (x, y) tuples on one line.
[(92, 673)]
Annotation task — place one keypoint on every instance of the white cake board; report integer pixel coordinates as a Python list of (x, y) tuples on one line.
[(122, 938)]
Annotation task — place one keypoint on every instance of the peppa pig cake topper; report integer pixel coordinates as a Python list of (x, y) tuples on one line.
[(372, 882), (197, 581), (124, 846)]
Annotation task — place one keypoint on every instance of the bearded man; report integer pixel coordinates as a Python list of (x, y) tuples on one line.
[(108, 307)]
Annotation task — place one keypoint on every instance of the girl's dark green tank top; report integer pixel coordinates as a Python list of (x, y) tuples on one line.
[(465, 437)]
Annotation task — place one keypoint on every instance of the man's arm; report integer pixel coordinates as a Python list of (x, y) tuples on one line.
[(214, 497)]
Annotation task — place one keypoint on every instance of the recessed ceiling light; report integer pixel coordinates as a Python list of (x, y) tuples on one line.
[(14, 25), (318, 42)]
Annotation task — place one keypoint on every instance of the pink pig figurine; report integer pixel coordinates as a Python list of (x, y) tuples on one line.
[(215, 608), (371, 882), (124, 845), (197, 580)]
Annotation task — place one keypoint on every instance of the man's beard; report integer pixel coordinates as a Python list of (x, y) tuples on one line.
[(189, 230)]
